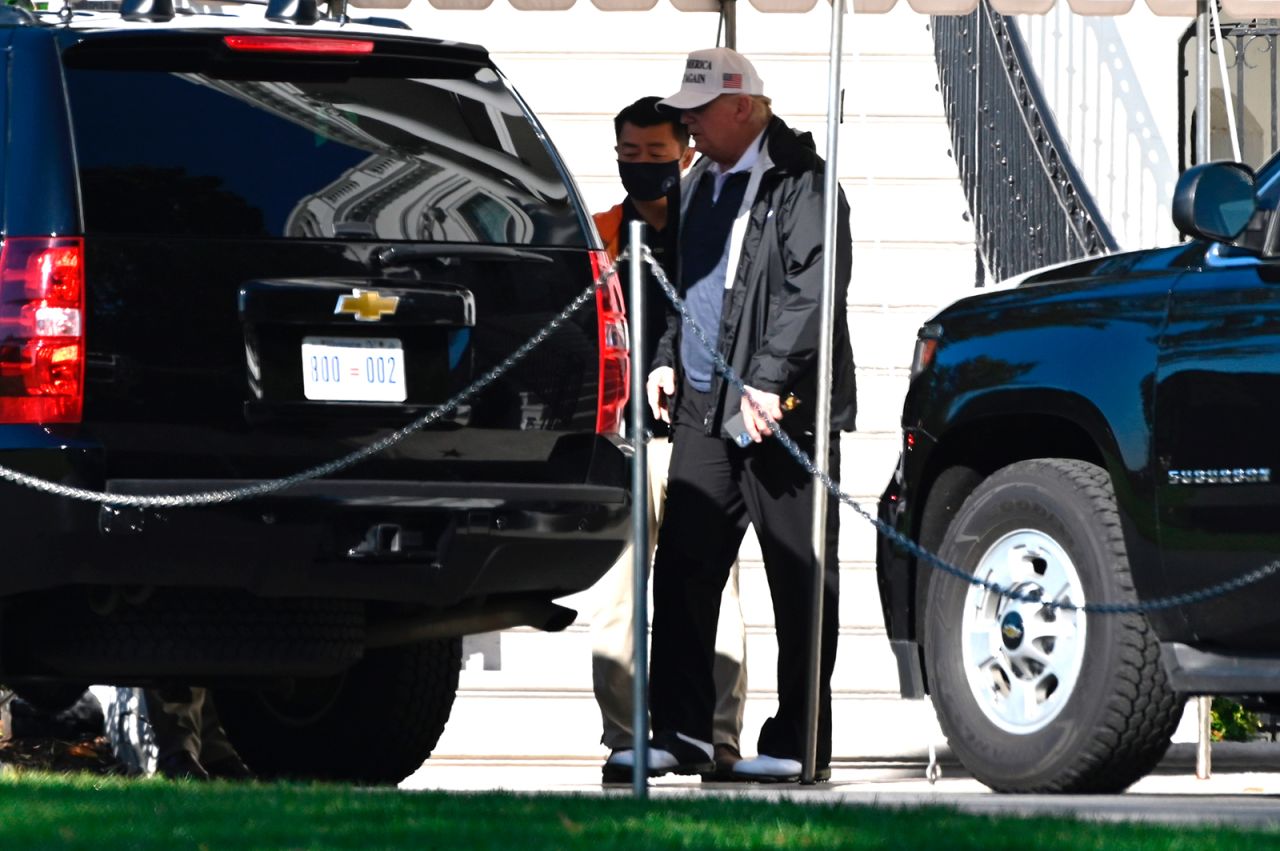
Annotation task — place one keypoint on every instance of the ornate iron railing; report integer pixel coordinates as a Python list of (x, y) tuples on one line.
[(1029, 205), (1251, 53)]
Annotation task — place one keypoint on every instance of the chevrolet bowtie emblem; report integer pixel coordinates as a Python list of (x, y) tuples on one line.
[(367, 305)]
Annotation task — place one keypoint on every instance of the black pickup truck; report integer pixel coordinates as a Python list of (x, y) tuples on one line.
[(235, 249), (1096, 434)]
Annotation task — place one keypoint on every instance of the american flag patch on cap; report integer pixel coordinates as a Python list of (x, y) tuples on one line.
[(732, 81)]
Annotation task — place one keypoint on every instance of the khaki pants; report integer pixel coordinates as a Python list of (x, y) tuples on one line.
[(613, 631), (184, 718)]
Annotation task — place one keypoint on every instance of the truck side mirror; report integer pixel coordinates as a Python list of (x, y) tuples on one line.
[(1214, 201)]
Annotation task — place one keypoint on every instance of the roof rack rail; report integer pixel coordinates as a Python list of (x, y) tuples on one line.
[(71, 6), (304, 12), (147, 10), (389, 23)]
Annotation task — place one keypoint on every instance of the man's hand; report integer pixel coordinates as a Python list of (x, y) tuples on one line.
[(660, 387), (756, 425)]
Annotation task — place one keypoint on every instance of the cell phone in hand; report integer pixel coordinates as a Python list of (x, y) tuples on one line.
[(735, 430)]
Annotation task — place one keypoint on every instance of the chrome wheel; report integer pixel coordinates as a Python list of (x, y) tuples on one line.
[(1022, 659)]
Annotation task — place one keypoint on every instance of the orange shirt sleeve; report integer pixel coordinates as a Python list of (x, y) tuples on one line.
[(609, 224)]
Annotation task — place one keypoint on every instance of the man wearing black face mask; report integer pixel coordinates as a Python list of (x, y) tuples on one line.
[(653, 150)]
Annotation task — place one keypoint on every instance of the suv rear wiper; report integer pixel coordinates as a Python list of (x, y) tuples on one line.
[(398, 255)]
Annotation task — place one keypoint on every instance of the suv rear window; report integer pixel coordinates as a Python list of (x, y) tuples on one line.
[(304, 149)]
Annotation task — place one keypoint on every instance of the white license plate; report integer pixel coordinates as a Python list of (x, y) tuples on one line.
[(353, 369)]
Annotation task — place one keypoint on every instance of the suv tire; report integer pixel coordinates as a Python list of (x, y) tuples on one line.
[(376, 723), (51, 697), (201, 632), (1035, 700)]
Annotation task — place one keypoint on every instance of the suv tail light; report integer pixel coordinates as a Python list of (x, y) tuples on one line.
[(41, 329), (615, 362), (298, 44)]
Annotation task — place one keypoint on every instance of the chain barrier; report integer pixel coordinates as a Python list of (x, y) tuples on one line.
[(269, 486), (934, 561)]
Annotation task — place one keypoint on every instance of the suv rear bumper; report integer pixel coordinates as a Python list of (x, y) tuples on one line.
[(409, 542)]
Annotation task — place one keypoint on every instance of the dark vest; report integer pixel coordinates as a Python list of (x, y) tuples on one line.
[(704, 261)]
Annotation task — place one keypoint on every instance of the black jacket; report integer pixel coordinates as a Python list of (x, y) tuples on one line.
[(615, 229), (769, 323)]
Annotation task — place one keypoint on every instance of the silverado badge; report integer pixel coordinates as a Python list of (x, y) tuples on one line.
[(367, 305)]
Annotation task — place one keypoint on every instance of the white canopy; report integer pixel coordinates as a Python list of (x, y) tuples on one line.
[(1233, 9)]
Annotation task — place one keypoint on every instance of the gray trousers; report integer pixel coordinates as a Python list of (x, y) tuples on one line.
[(613, 634)]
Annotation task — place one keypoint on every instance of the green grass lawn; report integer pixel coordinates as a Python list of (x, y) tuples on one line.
[(83, 811)]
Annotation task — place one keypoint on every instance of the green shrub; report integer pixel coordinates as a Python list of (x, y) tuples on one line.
[(1231, 722)]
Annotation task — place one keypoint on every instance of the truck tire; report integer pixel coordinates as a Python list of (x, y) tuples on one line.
[(194, 632), (376, 723), (1033, 699), (50, 697)]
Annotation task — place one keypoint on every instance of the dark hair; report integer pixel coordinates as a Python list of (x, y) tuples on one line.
[(647, 113)]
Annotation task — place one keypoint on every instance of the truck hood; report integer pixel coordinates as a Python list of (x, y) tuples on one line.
[(1126, 264)]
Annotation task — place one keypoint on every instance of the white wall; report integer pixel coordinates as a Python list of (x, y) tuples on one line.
[(578, 67)]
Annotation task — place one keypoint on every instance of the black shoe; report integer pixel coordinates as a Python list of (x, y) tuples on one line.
[(727, 756), (230, 768), (617, 768), (181, 766), (676, 753)]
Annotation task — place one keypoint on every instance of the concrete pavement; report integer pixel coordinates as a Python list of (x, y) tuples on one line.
[(1243, 790)]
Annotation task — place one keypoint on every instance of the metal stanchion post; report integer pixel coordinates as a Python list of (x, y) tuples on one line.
[(1203, 704), (1203, 107), (639, 519), (822, 413), (1204, 736)]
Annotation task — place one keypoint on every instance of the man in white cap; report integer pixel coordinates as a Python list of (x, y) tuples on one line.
[(751, 247), (653, 151)]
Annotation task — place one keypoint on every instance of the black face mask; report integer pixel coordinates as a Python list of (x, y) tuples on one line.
[(649, 181)]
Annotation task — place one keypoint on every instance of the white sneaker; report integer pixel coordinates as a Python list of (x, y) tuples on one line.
[(769, 768)]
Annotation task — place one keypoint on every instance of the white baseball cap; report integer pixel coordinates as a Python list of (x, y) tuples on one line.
[(714, 72)]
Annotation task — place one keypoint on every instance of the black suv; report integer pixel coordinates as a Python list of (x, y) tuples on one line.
[(233, 251), (1098, 434)]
